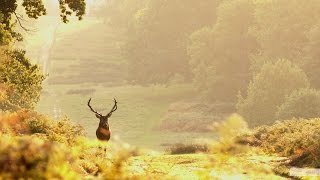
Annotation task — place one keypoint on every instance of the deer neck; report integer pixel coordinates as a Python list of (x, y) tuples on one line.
[(104, 125)]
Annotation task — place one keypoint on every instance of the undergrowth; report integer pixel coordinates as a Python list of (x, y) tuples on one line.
[(36, 147), (298, 139)]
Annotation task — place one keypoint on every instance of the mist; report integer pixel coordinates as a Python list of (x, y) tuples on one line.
[(231, 80)]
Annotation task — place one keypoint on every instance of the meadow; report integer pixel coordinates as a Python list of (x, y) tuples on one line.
[(97, 70), (210, 90)]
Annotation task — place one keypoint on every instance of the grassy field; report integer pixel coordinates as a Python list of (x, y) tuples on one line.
[(139, 111), (86, 62)]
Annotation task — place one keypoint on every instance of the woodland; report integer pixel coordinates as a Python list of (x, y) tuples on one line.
[(210, 89)]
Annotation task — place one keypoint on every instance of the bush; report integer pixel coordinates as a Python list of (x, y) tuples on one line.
[(188, 148), (28, 157), (268, 90), (63, 131), (299, 139), (35, 147), (32, 158), (25, 122), (228, 132), (14, 123), (304, 103)]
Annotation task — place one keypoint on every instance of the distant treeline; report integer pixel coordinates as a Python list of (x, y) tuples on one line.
[(231, 50)]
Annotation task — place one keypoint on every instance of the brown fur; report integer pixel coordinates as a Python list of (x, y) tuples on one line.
[(103, 134)]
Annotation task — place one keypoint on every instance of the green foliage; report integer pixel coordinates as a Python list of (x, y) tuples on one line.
[(118, 13), (288, 29), (34, 9), (233, 126), (34, 158), (23, 79), (216, 42), (312, 63), (268, 90), (200, 53), (63, 131), (298, 138), (303, 103), (281, 27), (158, 38), (32, 123), (263, 31), (69, 6), (228, 132), (5, 35), (220, 55)]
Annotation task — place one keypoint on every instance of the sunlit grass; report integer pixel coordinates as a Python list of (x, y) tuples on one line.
[(140, 111)]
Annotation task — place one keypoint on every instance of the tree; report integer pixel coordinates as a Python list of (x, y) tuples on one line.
[(312, 63), (22, 81), (34, 9), (119, 13), (303, 103), (157, 39), (268, 90), (288, 29), (224, 50), (200, 52)]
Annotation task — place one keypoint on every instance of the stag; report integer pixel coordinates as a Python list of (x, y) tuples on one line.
[(103, 131)]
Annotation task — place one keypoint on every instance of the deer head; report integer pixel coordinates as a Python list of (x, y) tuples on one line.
[(104, 119)]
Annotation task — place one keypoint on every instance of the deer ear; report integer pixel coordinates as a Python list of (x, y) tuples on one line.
[(97, 115)]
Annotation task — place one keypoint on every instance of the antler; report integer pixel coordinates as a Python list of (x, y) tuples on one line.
[(114, 108), (92, 108)]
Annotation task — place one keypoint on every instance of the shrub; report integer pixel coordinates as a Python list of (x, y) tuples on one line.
[(63, 131), (188, 148), (28, 157), (228, 131), (298, 139), (268, 90), (25, 122), (233, 126), (14, 123), (32, 158), (303, 103), (36, 147)]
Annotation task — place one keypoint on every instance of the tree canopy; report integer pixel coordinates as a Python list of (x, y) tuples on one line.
[(20, 81), (268, 90), (9, 15)]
